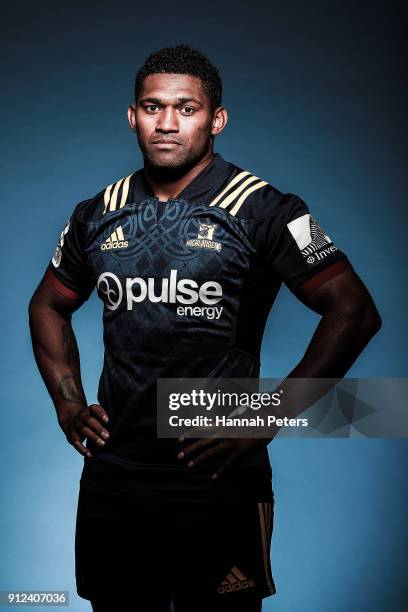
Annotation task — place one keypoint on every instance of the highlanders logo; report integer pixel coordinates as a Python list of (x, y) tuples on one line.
[(206, 231), (204, 238)]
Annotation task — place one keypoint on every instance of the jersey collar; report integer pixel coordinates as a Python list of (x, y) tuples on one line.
[(202, 188)]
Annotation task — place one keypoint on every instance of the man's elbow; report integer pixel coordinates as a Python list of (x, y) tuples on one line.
[(372, 320), (38, 306), (34, 312), (363, 315), (32, 307)]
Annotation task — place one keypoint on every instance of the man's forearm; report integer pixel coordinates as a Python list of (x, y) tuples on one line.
[(338, 340), (56, 353), (336, 343)]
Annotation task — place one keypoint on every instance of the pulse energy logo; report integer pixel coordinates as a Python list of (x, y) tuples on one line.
[(184, 291)]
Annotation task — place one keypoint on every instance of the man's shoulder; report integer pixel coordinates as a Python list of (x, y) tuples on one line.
[(248, 196), (110, 198)]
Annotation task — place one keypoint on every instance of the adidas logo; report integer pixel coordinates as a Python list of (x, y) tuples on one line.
[(235, 581), (115, 241)]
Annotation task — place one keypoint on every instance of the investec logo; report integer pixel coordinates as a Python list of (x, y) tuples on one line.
[(319, 255), (167, 290), (313, 242)]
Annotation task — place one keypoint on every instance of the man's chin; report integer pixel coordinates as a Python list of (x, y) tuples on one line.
[(168, 166), (164, 161)]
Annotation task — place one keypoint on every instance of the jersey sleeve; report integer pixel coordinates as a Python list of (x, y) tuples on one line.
[(298, 250), (68, 270)]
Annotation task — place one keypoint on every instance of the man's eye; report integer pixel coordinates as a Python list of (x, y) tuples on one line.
[(151, 108), (188, 110)]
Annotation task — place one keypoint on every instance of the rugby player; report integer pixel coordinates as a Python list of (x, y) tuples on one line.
[(187, 255)]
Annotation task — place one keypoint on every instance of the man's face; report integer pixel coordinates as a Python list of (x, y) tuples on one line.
[(174, 121)]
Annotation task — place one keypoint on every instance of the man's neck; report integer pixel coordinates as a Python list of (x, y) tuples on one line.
[(171, 188)]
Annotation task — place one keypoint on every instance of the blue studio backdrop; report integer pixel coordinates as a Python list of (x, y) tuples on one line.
[(314, 93)]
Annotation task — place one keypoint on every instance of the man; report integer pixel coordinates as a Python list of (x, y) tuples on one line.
[(187, 255)]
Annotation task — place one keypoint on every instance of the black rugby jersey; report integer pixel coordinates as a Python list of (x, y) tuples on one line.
[(187, 287)]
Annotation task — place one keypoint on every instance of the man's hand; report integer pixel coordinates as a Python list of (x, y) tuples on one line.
[(229, 449), (86, 423)]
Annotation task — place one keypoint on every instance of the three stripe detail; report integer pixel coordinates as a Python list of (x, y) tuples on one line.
[(115, 195), (237, 191)]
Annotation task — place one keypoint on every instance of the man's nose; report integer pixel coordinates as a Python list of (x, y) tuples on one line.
[(167, 121)]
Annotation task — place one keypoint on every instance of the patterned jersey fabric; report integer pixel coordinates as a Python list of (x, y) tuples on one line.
[(186, 286)]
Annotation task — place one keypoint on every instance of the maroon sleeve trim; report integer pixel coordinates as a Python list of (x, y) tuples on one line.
[(60, 287), (322, 277)]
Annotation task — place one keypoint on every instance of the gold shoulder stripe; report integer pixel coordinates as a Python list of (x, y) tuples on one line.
[(229, 186), (125, 191), (237, 191), (244, 196), (106, 197), (236, 187), (110, 197), (114, 197)]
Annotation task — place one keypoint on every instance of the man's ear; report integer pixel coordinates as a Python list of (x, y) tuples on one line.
[(131, 113), (220, 119)]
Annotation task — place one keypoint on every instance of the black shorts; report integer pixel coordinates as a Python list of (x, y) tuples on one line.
[(130, 551)]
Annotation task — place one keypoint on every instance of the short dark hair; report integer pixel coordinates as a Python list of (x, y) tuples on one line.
[(183, 59)]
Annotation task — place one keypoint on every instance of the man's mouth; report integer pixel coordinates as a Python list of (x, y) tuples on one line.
[(165, 141)]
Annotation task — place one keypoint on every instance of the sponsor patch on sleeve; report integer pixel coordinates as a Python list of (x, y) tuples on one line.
[(311, 239), (56, 259)]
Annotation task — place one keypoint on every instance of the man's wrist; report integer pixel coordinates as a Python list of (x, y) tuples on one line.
[(67, 412)]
